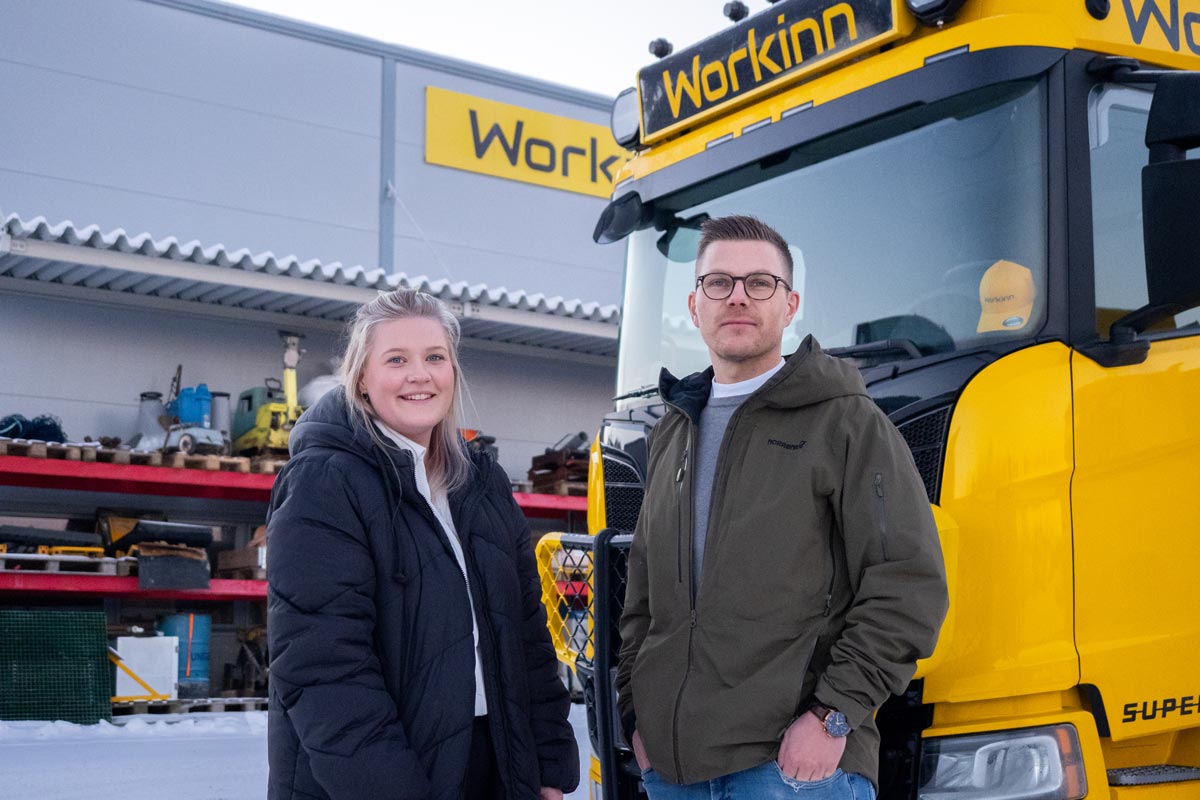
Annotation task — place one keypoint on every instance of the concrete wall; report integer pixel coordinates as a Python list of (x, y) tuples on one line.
[(86, 363)]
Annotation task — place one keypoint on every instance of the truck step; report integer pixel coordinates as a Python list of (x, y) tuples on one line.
[(1156, 773)]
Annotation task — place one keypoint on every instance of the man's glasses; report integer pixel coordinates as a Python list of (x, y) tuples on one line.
[(758, 285)]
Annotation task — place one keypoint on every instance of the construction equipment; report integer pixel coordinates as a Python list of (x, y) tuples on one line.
[(262, 423), (188, 420), (992, 213)]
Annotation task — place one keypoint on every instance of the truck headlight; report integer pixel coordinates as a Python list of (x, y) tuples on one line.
[(1028, 764)]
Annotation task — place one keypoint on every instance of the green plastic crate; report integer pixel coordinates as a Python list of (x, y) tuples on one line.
[(54, 666)]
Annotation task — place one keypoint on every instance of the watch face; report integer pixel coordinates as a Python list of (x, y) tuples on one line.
[(835, 724)]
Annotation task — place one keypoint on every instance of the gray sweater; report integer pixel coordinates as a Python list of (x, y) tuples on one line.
[(714, 419)]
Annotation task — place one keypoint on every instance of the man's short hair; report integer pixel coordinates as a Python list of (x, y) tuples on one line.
[(739, 228)]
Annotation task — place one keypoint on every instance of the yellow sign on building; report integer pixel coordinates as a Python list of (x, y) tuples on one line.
[(519, 144)]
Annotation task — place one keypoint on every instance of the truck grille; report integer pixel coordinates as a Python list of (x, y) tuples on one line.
[(926, 438), (623, 492)]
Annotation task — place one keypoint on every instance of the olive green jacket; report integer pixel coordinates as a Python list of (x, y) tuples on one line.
[(823, 575)]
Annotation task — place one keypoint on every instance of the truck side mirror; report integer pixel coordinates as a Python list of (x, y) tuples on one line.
[(1170, 219), (620, 218), (1171, 197)]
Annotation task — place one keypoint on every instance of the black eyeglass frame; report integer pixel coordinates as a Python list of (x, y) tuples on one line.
[(733, 281)]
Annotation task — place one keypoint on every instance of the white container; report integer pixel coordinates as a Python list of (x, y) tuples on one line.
[(150, 434), (154, 659)]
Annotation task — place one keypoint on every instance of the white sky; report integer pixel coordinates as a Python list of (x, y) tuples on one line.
[(598, 46)]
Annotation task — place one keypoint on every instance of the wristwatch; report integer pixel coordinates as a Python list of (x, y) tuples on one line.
[(833, 720)]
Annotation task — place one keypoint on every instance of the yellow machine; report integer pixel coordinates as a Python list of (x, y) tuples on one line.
[(993, 214), (263, 419)]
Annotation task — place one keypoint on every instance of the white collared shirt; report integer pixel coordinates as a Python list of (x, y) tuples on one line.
[(440, 505)]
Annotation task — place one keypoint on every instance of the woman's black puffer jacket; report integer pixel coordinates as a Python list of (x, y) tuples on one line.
[(372, 654)]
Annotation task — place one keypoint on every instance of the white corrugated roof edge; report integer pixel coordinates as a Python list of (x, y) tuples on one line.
[(217, 255)]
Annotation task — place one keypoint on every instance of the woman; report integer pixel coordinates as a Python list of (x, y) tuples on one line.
[(409, 650)]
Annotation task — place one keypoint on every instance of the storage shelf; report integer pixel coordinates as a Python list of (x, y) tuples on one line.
[(550, 506), (84, 583), (47, 473), (32, 485)]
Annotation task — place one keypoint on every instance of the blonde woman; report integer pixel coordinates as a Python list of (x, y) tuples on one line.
[(409, 650)]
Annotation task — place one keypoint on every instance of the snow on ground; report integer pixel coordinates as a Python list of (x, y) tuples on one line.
[(200, 756)]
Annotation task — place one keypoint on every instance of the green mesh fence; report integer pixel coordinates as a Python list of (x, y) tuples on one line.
[(54, 666)]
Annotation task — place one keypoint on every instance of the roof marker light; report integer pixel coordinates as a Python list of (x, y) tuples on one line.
[(958, 51), (719, 140), (753, 126), (796, 110)]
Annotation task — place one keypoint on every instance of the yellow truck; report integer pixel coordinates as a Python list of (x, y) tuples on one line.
[(994, 215)]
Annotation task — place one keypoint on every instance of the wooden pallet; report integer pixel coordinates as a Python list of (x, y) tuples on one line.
[(220, 704), (59, 562), (560, 458), (562, 488), (91, 452), (243, 574), (63, 452), (123, 455), (233, 464), (181, 706), (266, 466), (22, 447)]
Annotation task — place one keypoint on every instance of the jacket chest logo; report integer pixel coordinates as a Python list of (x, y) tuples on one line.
[(787, 445)]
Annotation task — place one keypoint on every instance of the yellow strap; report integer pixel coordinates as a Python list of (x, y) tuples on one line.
[(153, 695)]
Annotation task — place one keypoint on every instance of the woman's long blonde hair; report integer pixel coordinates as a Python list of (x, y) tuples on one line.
[(449, 466)]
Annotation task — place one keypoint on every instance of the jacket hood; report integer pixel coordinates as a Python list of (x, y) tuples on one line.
[(330, 424), (809, 376)]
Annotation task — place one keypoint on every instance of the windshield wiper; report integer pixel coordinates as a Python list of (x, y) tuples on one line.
[(906, 346), (649, 390)]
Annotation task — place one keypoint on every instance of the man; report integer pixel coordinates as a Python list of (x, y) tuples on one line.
[(786, 572)]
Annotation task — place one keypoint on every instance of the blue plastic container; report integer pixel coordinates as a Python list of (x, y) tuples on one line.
[(193, 406), (193, 631)]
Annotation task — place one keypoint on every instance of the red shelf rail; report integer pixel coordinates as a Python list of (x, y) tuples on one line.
[(87, 583), (47, 473)]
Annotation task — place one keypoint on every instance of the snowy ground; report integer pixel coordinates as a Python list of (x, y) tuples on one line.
[(202, 756)]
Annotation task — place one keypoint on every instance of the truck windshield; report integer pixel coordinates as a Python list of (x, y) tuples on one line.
[(925, 230)]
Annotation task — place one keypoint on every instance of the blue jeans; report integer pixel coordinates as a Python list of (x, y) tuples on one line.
[(764, 782)]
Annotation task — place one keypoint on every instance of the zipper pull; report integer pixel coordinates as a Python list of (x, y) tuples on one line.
[(693, 618), (682, 468), (828, 604), (878, 485)]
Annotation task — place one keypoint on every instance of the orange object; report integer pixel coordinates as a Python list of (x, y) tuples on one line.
[(191, 622)]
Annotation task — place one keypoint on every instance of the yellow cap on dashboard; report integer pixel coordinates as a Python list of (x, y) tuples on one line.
[(1006, 293)]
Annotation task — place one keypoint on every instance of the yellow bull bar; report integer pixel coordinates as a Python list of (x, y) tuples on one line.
[(565, 565)]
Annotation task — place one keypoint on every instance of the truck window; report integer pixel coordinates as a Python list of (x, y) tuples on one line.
[(1117, 132), (898, 227)]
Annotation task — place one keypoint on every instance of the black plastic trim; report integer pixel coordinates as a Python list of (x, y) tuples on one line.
[(1095, 701), (1059, 130), (604, 645), (1081, 267)]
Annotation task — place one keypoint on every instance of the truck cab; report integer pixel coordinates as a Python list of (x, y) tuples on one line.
[(994, 210)]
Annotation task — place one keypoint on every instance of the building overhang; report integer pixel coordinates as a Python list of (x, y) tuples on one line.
[(84, 263)]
